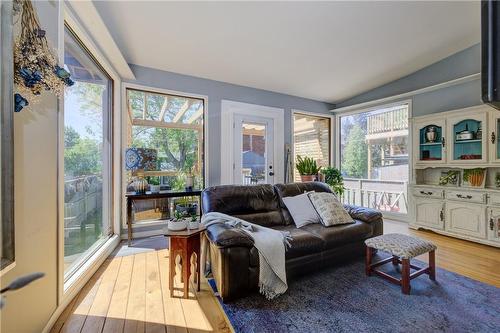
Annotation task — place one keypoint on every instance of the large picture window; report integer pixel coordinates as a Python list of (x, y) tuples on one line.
[(311, 138), (374, 158), (173, 126), (87, 155)]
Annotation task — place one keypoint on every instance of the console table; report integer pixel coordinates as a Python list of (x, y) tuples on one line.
[(132, 197)]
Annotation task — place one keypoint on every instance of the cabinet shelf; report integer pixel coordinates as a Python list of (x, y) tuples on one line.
[(431, 144), (468, 141)]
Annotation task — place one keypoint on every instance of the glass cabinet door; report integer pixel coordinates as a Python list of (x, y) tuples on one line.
[(467, 139), (430, 142)]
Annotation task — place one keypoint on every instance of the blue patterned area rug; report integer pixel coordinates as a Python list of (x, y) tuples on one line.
[(343, 299)]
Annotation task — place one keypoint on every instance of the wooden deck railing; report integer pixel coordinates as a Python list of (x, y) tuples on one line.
[(383, 195), (388, 121)]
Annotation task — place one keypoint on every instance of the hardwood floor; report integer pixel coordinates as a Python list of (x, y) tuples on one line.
[(130, 293), (476, 261)]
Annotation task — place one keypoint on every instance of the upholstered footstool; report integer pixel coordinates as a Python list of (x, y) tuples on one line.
[(402, 248)]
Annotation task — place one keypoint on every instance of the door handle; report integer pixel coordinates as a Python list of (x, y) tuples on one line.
[(493, 137), (271, 173)]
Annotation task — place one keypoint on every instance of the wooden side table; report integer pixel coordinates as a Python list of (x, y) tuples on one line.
[(184, 243)]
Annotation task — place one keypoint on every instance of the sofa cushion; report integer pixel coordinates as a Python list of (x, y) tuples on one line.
[(340, 234), (293, 189), (301, 210), (255, 203), (302, 243), (329, 209)]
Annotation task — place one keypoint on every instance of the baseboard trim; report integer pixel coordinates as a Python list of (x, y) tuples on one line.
[(78, 281)]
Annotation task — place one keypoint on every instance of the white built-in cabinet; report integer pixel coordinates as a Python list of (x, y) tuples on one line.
[(462, 212)]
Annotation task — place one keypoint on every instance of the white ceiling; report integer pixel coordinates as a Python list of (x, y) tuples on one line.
[(327, 51)]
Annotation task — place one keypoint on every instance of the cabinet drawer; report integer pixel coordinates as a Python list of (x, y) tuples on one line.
[(494, 199), (476, 197), (428, 193)]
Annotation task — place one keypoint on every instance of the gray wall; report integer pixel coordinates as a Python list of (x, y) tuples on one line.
[(217, 91), (463, 63)]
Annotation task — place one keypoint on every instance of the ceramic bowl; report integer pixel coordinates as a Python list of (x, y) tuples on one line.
[(177, 225)]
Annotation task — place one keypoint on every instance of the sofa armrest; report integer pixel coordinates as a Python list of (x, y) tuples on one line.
[(367, 215), (225, 236)]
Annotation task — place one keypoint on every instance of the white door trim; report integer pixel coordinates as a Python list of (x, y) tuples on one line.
[(228, 110)]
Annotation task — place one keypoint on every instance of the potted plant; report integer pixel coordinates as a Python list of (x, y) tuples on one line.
[(307, 167), (178, 222), (185, 206), (194, 223), (334, 179), (154, 184)]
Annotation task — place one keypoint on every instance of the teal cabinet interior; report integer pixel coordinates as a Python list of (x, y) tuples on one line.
[(467, 140), (431, 143)]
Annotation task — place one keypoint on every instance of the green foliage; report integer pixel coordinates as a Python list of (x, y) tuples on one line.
[(82, 156), (355, 157), (306, 166), (334, 178)]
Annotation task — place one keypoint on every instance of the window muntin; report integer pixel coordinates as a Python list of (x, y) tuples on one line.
[(87, 155)]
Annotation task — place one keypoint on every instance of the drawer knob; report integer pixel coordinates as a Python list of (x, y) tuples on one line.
[(492, 224), (461, 196), (425, 193)]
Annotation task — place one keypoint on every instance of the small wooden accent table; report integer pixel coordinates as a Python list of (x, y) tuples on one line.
[(184, 243)]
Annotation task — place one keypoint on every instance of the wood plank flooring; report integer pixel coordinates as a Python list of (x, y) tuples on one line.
[(131, 293), (476, 261)]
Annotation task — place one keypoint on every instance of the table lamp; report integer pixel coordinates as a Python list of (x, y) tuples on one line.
[(139, 160)]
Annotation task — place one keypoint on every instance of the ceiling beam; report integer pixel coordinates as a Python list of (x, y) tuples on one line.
[(182, 110), (163, 108), (196, 115)]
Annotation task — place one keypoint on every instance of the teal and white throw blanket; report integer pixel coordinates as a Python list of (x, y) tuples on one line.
[(271, 245)]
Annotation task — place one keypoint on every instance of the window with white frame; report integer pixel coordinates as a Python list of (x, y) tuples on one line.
[(374, 157), (173, 126), (87, 155), (311, 138)]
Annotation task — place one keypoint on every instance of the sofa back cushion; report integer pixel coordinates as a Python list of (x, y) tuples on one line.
[(258, 204), (293, 189)]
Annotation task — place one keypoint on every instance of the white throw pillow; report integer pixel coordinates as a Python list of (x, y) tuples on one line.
[(329, 209), (301, 210)]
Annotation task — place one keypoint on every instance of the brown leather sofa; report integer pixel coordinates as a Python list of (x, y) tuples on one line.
[(234, 259)]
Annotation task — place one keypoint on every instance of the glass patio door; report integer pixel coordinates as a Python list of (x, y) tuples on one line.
[(87, 155), (253, 150)]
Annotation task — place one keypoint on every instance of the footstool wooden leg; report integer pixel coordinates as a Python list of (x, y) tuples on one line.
[(432, 265), (368, 261), (405, 276)]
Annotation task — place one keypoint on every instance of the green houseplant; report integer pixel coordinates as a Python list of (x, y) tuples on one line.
[(307, 167), (334, 178)]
